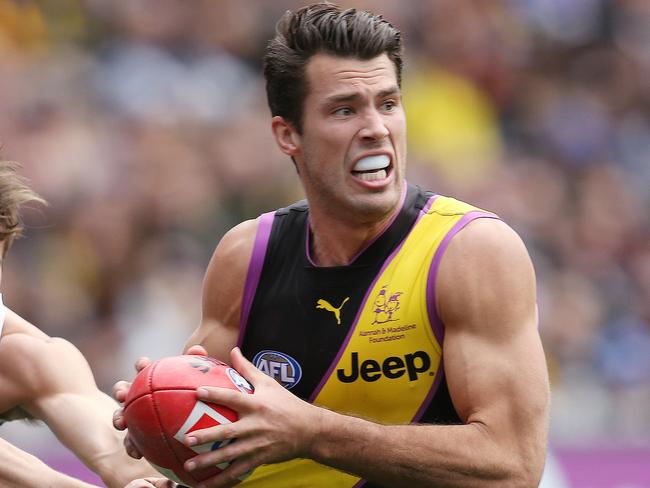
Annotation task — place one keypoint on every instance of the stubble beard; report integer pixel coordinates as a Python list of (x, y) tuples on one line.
[(358, 209)]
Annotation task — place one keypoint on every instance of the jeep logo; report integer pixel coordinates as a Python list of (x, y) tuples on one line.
[(392, 367)]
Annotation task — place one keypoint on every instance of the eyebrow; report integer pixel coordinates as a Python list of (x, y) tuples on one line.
[(351, 97)]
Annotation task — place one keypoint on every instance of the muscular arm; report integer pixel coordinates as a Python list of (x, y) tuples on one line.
[(496, 374), (49, 379), (495, 371), (223, 288)]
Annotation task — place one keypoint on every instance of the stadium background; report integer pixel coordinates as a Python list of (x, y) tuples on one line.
[(144, 124)]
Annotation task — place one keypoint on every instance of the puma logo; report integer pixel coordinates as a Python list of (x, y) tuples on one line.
[(325, 305)]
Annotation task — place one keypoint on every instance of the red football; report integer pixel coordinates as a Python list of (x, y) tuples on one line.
[(162, 407)]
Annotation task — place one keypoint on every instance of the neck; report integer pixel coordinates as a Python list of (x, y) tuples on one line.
[(335, 242)]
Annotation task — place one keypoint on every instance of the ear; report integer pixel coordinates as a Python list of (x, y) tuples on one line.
[(286, 136)]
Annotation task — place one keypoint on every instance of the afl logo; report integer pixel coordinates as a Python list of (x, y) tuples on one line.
[(279, 366)]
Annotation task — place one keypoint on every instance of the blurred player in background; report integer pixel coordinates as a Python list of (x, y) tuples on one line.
[(355, 298), (48, 379)]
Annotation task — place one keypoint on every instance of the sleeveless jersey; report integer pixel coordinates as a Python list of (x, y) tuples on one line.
[(362, 339)]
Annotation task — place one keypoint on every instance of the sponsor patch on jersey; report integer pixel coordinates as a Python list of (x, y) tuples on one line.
[(386, 306), (279, 366), (411, 365)]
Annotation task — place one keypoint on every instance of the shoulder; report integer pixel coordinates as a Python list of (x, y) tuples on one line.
[(33, 362), (233, 252), (223, 288), (485, 242), (485, 271), (15, 324), (225, 276), (16, 352), (24, 347)]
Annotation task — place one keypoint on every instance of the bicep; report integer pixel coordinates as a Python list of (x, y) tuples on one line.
[(500, 384), (32, 368), (494, 362), (62, 388)]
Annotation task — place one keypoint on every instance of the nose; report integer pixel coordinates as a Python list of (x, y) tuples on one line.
[(374, 127)]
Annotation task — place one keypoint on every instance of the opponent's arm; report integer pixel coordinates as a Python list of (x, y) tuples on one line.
[(495, 371), (19, 469), (49, 379)]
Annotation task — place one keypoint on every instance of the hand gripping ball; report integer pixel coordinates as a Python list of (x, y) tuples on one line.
[(161, 407)]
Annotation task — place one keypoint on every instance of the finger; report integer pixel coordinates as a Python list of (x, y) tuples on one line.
[(225, 479), (226, 453), (162, 483), (237, 450), (131, 449), (233, 399), (152, 483), (245, 367), (120, 390), (242, 467), (197, 350), (118, 419), (218, 481), (234, 474), (142, 363), (139, 484)]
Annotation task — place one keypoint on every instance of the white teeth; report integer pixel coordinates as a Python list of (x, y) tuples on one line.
[(374, 176), (371, 163)]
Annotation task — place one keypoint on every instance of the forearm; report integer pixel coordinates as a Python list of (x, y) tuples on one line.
[(62, 392), (19, 469), (421, 455), (497, 446), (94, 441)]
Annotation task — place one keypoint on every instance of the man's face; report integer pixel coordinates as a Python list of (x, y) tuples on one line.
[(352, 151)]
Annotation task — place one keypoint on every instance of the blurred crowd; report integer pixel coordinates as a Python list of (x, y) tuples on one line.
[(144, 124)]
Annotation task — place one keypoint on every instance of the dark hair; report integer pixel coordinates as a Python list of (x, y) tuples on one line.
[(14, 192), (321, 28)]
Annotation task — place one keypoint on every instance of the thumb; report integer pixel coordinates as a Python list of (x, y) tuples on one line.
[(142, 363), (196, 350), (244, 367)]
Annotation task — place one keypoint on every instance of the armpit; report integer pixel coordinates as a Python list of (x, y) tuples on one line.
[(16, 413)]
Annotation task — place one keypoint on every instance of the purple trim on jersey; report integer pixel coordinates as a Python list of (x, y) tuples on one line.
[(360, 483), (434, 319), (344, 345), (427, 206), (307, 243), (381, 232), (254, 270)]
